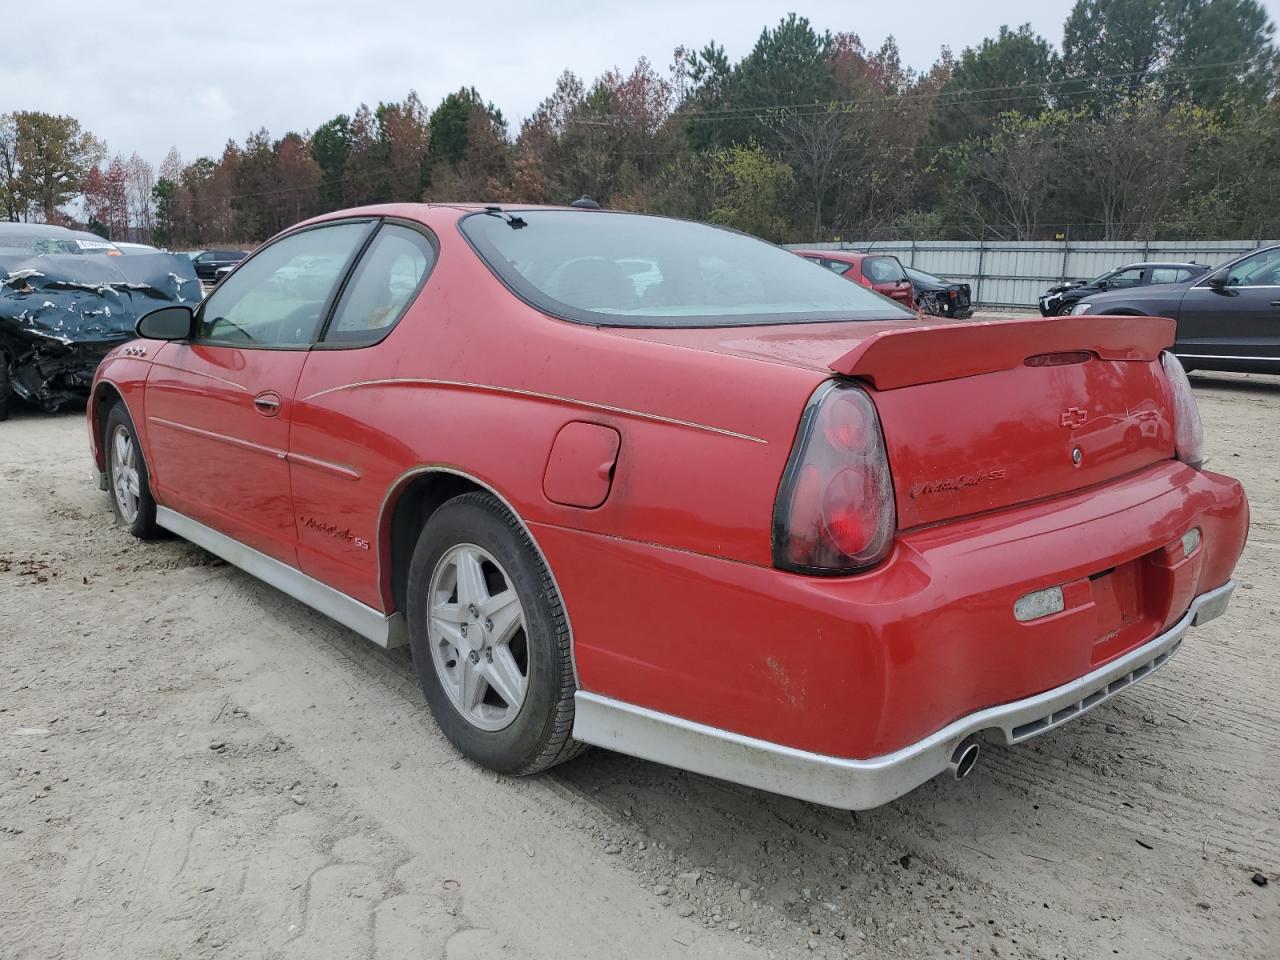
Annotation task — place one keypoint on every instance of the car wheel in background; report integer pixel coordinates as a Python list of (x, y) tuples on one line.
[(1064, 309), (6, 388), (490, 638), (127, 478)]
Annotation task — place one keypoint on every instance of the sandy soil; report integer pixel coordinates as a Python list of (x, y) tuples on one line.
[(193, 765)]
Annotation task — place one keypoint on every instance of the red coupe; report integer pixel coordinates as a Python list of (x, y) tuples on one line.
[(664, 488)]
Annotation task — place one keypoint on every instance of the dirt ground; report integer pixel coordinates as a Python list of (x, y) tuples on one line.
[(193, 765)]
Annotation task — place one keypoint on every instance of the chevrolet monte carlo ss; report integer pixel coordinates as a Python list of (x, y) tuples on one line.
[(667, 489)]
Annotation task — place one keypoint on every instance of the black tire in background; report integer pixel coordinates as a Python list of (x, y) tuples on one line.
[(143, 526), (539, 736), (6, 388)]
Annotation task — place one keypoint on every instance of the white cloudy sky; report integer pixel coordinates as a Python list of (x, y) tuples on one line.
[(147, 74)]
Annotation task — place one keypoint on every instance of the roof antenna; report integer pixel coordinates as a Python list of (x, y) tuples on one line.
[(585, 203)]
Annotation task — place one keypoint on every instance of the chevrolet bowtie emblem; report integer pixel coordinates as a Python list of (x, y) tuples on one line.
[(1074, 417)]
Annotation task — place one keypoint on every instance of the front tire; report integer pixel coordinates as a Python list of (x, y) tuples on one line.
[(127, 477), (490, 639)]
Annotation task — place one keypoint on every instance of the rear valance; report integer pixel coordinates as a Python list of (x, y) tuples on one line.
[(949, 351)]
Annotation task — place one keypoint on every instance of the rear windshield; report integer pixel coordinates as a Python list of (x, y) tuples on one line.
[(631, 270)]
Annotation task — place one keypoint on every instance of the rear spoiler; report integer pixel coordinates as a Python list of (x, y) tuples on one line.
[(949, 351)]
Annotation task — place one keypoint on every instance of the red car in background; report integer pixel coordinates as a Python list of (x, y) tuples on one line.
[(882, 272), (667, 489)]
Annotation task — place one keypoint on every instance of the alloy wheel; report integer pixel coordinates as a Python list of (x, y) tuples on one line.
[(125, 478), (476, 629)]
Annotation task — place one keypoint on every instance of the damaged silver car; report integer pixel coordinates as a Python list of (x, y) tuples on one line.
[(66, 299)]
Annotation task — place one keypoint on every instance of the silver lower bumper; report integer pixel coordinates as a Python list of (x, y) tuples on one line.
[(861, 784)]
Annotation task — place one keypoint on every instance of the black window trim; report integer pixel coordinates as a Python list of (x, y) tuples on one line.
[(373, 224), (384, 332), (591, 319)]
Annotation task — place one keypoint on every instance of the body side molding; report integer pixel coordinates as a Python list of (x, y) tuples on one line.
[(383, 630)]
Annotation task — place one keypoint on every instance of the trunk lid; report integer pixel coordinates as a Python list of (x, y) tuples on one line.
[(977, 417), (968, 424)]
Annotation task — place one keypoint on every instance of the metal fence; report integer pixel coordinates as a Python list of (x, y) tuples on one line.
[(1004, 273)]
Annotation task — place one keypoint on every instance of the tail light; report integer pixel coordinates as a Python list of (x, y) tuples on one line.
[(1188, 431), (835, 511)]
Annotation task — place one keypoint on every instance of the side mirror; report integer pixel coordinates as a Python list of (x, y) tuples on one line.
[(167, 323), (1218, 280), (1102, 284)]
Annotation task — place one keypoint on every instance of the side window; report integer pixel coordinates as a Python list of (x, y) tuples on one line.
[(1260, 270), (837, 266), (1169, 275), (1125, 278), (883, 270), (277, 299), (382, 285)]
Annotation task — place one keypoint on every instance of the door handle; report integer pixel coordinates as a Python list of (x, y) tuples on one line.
[(1275, 303), (267, 403)]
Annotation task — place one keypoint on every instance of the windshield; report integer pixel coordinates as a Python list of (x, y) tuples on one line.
[(921, 276), (632, 270)]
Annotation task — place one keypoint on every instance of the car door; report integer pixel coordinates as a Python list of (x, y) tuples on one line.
[(888, 278), (340, 471), (1240, 318), (219, 406)]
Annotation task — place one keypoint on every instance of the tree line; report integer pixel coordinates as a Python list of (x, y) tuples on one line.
[(1151, 119)]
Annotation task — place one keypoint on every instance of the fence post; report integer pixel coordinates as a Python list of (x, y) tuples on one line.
[(982, 255), (1066, 252)]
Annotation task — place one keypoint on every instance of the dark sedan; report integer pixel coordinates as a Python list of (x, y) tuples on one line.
[(1228, 319), (943, 298), (1058, 301), (209, 262)]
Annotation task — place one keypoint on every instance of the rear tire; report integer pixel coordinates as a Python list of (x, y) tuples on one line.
[(127, 479), (490, 639)]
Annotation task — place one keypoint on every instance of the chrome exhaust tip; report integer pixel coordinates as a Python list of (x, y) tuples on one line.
[(964, 758)]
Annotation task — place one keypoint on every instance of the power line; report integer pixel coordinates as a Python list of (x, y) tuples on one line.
[(889, 102), (962, 92)]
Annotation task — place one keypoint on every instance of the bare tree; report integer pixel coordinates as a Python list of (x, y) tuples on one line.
[(9, 207), (1010, 179), (814, 139), (1135, 161), (140, 180)]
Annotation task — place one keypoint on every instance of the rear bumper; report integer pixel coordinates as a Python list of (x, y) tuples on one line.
[(863, 666), (861, 784)]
